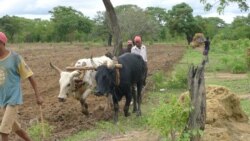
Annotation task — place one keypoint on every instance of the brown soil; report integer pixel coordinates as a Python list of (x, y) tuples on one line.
[(66, 118)]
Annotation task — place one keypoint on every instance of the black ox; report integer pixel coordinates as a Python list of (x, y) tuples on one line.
[(132, 73)]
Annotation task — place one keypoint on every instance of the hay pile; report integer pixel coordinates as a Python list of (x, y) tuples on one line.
[(225, 121), (198, 40)]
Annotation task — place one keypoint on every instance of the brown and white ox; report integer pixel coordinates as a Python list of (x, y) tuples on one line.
[(70, 85)]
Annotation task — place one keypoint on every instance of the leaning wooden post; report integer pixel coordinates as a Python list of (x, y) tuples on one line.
[(197, 117)]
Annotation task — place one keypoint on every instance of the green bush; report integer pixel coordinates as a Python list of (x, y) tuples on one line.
[(159, 79), (36, 131), (239, 68), (178, 79), (170, 117)]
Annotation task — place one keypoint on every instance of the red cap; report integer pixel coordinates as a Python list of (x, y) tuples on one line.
[(3, 38), (137, 39)]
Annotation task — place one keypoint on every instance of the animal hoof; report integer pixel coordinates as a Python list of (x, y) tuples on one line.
[(86, 113), (138, 114), (134, 110), (127, 114)]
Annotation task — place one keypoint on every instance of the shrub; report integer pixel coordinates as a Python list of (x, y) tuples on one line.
[(178, 79), (170, 117), (36, 131), (159, 80)]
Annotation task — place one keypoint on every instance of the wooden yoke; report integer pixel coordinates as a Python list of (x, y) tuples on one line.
[(80, 68), (117, 80)]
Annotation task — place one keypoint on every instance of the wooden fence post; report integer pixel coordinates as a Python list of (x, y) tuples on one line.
[(196, 85)]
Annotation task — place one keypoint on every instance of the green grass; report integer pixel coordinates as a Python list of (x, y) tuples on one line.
[(238, 86), (246, 106)]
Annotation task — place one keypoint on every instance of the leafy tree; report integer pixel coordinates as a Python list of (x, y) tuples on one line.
[(134, 21), (11, 25), (242, 4), (69, 23), (38, 31), (160, 14), (181, 21), (101, 30), (241, 27), (210, 26)]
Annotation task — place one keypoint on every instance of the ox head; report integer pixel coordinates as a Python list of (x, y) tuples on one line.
[(66, 82), (105, 78)]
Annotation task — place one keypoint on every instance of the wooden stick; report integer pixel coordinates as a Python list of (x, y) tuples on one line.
[(42, 121), (89, 68), (80, 68)]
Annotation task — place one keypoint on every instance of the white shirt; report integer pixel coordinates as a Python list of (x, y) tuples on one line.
[(142, 52)]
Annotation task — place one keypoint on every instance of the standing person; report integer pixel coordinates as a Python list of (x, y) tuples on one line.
[(206, 49), (12, 70), (140, 49), (129, 46)]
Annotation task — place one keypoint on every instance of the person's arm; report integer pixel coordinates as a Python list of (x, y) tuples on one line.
[(39, 99)]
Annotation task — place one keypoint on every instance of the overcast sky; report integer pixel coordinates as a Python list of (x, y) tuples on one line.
[(39, 8)]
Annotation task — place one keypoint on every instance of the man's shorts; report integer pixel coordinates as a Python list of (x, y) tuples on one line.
[(9, 120)]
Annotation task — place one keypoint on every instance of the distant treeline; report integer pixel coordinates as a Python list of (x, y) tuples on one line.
[(153, 23)]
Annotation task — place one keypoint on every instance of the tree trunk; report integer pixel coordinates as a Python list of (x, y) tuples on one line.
[(197, 117), (114, 26), (110, 40), (189, 38)]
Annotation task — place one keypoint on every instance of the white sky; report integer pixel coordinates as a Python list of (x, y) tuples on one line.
[(39, 8)]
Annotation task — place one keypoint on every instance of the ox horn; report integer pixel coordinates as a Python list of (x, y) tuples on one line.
[(55, 67)]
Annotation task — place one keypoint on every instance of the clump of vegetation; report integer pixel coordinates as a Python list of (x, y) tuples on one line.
[(171, 117), (159, 79), (36, 131), (178, 80), (248, 58), (221, 58)]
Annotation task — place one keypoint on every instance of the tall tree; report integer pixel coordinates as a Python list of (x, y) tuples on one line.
[(210, 26), (240, 27), (222, 4), (159, 14), (102, 30), (11, 25), (69, 22), (134, 21), (114, 26), (181, 21)]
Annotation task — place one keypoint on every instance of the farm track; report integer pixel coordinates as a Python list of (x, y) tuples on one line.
[(66, 118)]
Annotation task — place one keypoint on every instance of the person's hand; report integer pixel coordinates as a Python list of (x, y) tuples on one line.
[(39, 100)]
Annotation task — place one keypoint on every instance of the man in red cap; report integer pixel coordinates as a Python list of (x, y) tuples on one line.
[(140, 49), (12, 70)]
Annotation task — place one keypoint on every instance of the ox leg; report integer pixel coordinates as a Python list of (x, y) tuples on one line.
[(127, 103), (139, 89), (83, 102), (109, 103), (116, 109), (133, 90)]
